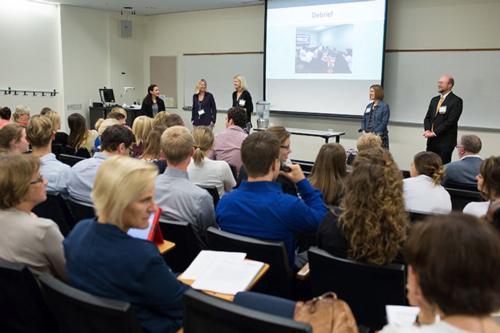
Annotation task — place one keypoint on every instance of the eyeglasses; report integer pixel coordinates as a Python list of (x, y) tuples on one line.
[(38, 180), (285, 147)]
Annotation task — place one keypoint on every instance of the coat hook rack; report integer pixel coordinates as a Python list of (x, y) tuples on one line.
[(26, 92)]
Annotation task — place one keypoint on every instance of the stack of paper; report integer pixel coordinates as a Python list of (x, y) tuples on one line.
[(222, 272), (401, 315)]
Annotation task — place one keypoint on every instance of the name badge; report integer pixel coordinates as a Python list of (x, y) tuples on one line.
[(442, 110), (242, 102), (201, 112), (368, 110)]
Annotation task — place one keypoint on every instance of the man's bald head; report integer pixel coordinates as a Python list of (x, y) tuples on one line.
[(445, 84)]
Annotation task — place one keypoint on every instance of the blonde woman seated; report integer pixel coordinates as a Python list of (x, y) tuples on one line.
[(364, 142), (24, 237), (423, 191), (453, 268), (21, 115), (371, 224), (102, 259), (329, 173), (488, 183), (13, 139), (204, 171), (141, 128)]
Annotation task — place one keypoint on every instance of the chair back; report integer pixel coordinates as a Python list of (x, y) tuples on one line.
[(460, 198), (213, 192), (80, 211), (70, 159), (77, 311), (278, 279), (55, 208), (22, 308), (186, 245), (234, 171), (366, 288), (418, 216), (203, 313)]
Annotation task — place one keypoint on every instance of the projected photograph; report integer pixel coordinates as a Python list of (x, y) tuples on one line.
[(324, 49)]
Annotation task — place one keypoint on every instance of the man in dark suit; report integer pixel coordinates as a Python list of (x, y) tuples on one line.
[(462, 173), (441, 121)]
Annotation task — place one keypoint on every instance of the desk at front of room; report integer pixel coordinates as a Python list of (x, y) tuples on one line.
[(97, 112)]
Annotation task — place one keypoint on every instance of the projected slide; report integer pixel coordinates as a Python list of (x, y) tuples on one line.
[(322, 56)]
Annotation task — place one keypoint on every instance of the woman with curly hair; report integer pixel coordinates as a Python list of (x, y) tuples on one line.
[(423, 192), (371, 224)]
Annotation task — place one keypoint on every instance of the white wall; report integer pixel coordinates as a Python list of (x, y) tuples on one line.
[(95, 55), (412, 24), (30, 56)]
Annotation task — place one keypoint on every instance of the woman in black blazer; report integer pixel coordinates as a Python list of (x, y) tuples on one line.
[(152, 103), (242, 98), (204, 111)]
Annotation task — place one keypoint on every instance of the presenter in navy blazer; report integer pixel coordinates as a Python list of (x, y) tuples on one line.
[(102, 259), (152, 103), (242, 98), (441, 121), (204, 112), (376, 116)]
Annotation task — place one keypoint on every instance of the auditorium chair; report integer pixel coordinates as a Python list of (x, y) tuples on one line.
[(418, 216), (77, 311), (278, 280), (70, 159), (204, 313), (213, 192), (366, 288), (55, 208), (80, 211), (186, 245), (22, 308), (460, 198)]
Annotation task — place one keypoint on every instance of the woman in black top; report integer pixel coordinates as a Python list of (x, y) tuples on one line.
[(152, 103), (371, 224), (204, 111), (242, 98)]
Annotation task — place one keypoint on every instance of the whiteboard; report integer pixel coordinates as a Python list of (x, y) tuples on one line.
[(411, 79), (219, 70)]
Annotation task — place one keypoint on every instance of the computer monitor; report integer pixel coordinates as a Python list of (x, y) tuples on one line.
[(107, 95)]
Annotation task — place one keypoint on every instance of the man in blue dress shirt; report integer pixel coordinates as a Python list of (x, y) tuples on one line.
[(259, 208)]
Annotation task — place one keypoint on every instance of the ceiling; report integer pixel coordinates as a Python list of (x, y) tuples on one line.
[(154, 7)]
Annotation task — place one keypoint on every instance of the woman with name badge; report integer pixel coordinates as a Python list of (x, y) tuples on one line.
[(204, 111), (152, 103), (376, 116), (242, 98)]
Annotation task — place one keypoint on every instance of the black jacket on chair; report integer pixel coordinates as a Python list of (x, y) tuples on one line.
[(444, 125), (147, 106)]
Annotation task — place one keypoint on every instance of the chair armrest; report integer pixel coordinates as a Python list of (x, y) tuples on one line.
[(303, 273)]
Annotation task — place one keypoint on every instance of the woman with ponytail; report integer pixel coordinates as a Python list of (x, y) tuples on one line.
[(205, 172), (423, 191)]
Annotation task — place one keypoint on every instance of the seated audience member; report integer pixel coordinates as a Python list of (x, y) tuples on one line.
[(80, 137), (152, 150), (45, 110), (160, 119), (5, 115), (205, 172), (101, 125), (102, 259), (173, 119), (13, 139), (329, 173), (227, 144), (453, 268), (24, 237), (141, 128), (464, 171), (180, 199), (284, 137), (365, 141), (119, 114), (259, 208), (423, 191), (60, 138), (371, 224), (493, 214), (488, 183), (40, 134), (21, 115), (116, 140)]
